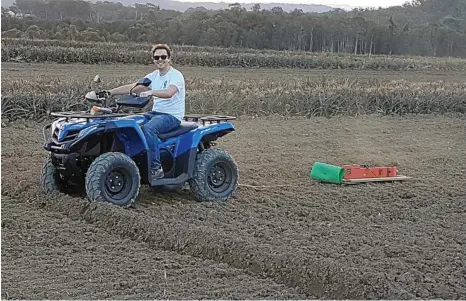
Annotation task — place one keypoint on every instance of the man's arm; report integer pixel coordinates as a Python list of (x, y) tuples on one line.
[(126, 88), (176, 84), (167, 93)]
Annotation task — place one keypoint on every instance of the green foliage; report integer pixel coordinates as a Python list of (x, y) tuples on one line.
[(420, 27)]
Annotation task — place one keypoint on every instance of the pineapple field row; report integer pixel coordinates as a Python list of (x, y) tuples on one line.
[(64, 52), (28, 95)]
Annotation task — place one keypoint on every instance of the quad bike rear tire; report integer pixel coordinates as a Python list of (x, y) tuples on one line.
[(114, 178), (215, 176)]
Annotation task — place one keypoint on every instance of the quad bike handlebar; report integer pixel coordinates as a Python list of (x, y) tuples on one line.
[(97, 97), (130, 100)]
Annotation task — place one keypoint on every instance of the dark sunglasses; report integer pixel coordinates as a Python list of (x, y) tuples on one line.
[(157, 57)]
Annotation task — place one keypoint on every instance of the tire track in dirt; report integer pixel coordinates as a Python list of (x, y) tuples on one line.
[(47, 255), (311, 279)]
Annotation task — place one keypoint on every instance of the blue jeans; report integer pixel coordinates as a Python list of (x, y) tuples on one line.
[(160, 123)]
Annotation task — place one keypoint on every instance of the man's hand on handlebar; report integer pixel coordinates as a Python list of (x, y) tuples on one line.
[(167, 93), (103, 94), (146, 93)]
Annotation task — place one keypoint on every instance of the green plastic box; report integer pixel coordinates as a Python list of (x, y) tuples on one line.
[(327, 173)]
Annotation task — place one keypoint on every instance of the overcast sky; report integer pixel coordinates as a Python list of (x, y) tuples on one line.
[(354, 3)]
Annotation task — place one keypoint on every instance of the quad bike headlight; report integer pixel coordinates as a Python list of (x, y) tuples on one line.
[(88, 130)]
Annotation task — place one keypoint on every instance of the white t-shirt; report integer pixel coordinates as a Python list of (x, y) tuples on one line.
[(174, 105)]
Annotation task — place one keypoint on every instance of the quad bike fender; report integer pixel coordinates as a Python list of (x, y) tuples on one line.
[(206, 134), (127, 132), (130, 135)]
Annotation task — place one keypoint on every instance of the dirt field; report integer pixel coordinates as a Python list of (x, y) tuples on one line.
[(49, 256), (308, 240), (87, 73)]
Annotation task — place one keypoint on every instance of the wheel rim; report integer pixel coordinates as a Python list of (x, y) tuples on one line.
[(118, 184), (219, 177)]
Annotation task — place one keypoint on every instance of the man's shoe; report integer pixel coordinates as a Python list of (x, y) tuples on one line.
[(156, 173)]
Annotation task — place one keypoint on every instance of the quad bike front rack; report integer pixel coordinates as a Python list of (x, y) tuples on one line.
[(78, 114), (86, 115)]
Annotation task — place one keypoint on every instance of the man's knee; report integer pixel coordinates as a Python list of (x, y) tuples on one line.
[(150, 129), (153, 125)]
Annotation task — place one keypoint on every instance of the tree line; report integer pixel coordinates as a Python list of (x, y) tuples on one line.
[(420, 27)]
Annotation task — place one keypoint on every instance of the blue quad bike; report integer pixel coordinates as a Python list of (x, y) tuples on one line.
[(107, 153)]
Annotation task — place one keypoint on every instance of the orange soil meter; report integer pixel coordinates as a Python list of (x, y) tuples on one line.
[(355, 171)]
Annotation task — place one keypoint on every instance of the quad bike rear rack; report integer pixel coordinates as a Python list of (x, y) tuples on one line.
[(210, 119)]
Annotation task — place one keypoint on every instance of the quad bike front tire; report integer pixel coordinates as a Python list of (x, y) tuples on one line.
[(49, 178), (52, 182), (215, 176), (114, 178)]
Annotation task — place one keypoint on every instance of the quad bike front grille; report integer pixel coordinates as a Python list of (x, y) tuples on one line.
[(70, 136)]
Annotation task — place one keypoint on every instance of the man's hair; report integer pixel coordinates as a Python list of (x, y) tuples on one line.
[(161, 46)]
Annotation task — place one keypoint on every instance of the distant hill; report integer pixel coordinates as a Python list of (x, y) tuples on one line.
[(7, 3), (183, 6)]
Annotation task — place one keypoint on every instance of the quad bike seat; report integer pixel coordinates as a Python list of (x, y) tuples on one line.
[(182, 129)]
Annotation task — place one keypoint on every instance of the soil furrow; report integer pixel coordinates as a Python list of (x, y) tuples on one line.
[(35, 264)]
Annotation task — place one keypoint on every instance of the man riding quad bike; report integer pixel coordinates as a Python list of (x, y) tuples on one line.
[(168, 85), (112, 153)]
